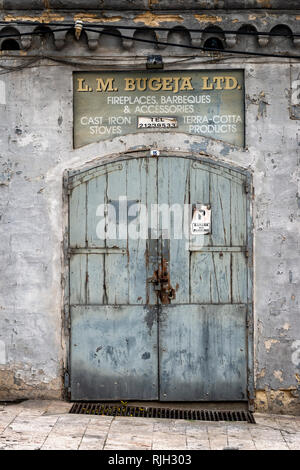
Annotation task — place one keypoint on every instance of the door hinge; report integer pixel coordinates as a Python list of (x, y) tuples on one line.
[(67, 384), (66, 185), (247, 187), (67, 317), (67, 379)]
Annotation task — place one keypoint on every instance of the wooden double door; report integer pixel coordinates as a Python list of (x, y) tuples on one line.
[(158, 313)]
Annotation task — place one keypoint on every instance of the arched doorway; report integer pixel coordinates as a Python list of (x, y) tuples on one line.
[(159, 308)]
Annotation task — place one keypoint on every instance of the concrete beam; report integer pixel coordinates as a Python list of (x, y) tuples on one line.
[(148, 4)]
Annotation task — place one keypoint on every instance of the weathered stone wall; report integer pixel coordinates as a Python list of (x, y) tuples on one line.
[(147, 4), (190, 28), (36, 148)]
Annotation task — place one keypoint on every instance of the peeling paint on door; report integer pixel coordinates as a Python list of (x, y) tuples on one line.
[(186, 344)]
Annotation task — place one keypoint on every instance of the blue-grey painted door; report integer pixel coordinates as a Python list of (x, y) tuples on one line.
[(161, 315), (114, 344), (202, 332)]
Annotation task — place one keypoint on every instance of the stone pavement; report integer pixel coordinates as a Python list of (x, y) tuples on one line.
[(46, 425)]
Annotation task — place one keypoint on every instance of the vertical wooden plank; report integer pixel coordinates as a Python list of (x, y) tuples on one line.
[(116, 279), (78, 216), (163, 188), (174, 192), (95, 279), (203, 280), (210, 278), (136, 193), (239, 278), (221, 208), (222, 273), (238, 215), (116, 265), (199, 193), (96, 198), (78, 278), (151, 255)]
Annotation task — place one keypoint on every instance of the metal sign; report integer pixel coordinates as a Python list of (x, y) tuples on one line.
[(201, 219), (111, 104)]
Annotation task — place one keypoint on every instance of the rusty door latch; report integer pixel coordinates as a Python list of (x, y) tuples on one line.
[(162, 283)]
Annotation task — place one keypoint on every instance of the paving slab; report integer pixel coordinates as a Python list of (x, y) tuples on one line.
[(47, 425)]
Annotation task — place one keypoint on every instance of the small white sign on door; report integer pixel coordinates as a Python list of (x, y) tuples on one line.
[(201, 219)]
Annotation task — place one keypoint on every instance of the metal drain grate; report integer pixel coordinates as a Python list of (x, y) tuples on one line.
[(151, 412)]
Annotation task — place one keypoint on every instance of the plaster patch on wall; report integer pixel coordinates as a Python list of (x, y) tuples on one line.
[(2, 92), (92, 18), (31, 139), (261, 374), (277, 401), (262, 103), (26, 140), (150, 19), (226, 150), (278, 375), (269, 343), (46, 17), (277, 306), (208, 19), (265, 3), (13, 387), (6, 174), (198, 147), (2, 353)]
